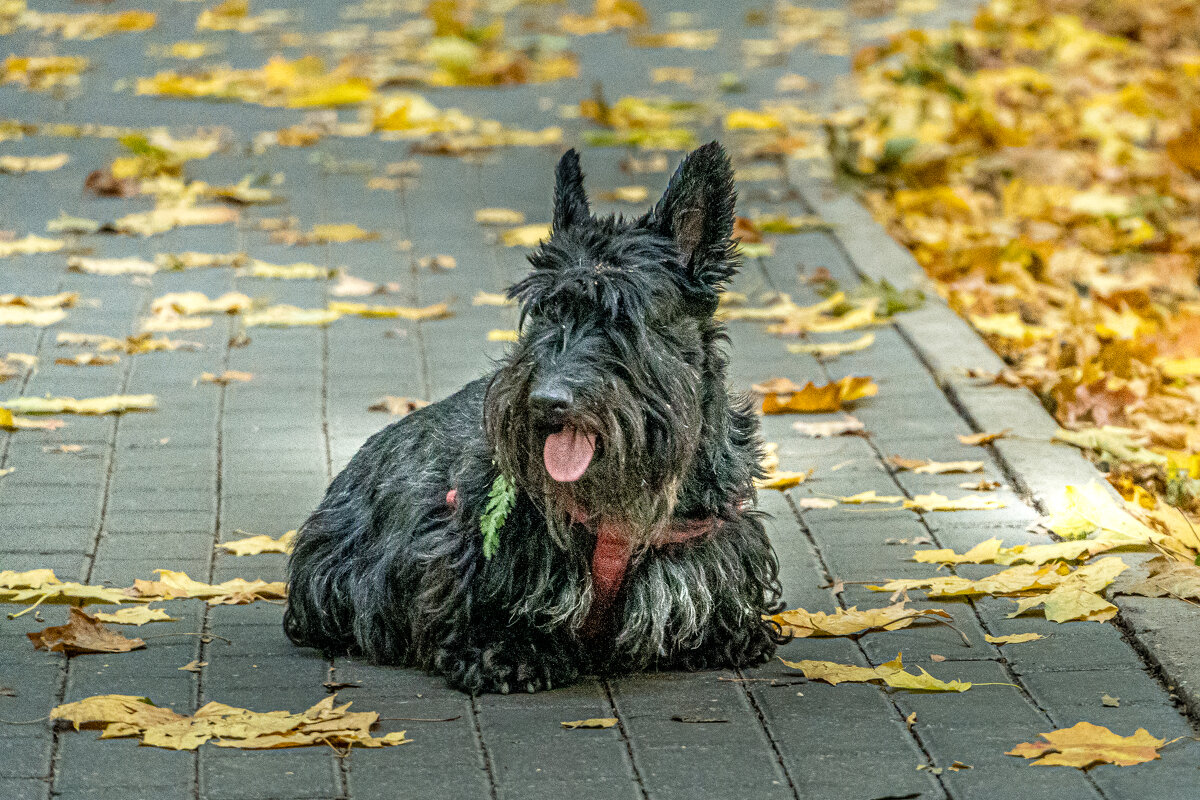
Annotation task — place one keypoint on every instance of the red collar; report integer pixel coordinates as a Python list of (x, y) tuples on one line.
[(611, 556)]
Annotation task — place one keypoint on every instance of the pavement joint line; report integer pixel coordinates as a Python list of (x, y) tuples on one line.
[(625, 740), (418, 328), (198, 683), (481, 743), (90, 558)]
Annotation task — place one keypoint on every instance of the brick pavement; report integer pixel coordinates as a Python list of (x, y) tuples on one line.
[(160, 489)]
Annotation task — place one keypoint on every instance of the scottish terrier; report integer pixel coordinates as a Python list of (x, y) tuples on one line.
[(584, 509)]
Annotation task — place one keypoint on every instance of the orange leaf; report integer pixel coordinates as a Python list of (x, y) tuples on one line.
[(810, 398)]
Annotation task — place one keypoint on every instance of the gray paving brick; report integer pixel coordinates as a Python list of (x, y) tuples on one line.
[(268, 774), (24, 789)]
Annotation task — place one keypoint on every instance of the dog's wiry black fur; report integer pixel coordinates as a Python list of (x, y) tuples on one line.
[(617, 316)]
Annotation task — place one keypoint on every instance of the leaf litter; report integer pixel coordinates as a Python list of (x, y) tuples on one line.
[(126, 716)]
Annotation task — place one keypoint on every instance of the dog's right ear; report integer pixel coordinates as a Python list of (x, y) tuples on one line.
[(570, 201)]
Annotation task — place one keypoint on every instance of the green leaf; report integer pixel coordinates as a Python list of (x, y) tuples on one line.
[(501, 499), (891, 299)]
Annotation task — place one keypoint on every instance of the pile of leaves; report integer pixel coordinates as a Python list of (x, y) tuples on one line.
[(121, 716), (1043, 165)]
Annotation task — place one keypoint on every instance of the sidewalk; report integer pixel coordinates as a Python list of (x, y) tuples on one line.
[(158, 489)]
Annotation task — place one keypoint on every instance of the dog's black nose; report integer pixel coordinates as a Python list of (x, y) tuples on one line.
[(551, 400)]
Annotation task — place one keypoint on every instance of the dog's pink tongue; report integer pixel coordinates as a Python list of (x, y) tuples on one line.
[(568, 453)]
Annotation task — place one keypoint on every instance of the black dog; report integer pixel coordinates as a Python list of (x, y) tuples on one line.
[(585, 508)]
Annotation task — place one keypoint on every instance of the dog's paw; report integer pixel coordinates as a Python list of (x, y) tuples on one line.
[(503, 668)]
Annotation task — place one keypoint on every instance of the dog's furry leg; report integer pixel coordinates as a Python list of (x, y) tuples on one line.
[(700, 605)]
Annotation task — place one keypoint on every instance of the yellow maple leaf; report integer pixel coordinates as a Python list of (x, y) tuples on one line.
[(254, 545), (811, 398), (1085, 745), (800, 623), (892, 673)]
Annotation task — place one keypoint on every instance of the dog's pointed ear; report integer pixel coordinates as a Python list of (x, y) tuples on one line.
[(696, 212), (570, 201)]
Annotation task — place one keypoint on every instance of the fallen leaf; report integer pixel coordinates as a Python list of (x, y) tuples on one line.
[(170, 321), (287, 316), (1110, 701), (189, 303), (634, 195), (88, 360), (870, 496), (255, 545), (139, 615), (413, 314), (816, 503), (982, 485), (193, 666), (1168, 578), (225, 378), (298, 271), (1086, 745), (193, 260), (37, 317), (20, 164), (596, 722), (30, 245), (350, 286), (892, 673), (11, 422), (826, 350), (397, 406), (1090, 510), (834, 427), (927, 467), (1013, 638), (938, 502), (526, 235), (323, 725), (112, 404), (83, 634), (175, 585), (781, 480), (111, 266), (165, 218), (492, 299), (438, 263), (982, 438), (817, 399), (503, 335), (848, 622), (1064, 594), (338, 234), (991, 552), (499, 217), (40, 586), (130, 345)]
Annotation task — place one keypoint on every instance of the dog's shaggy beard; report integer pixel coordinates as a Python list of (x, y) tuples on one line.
[(647, 434)]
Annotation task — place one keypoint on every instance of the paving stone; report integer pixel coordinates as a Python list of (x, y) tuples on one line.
[(268, 774)]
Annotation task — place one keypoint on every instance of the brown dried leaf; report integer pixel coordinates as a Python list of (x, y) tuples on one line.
[(83, 634)]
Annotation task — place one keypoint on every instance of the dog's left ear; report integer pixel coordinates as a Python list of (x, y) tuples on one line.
[(570, 201), (696, 212)]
